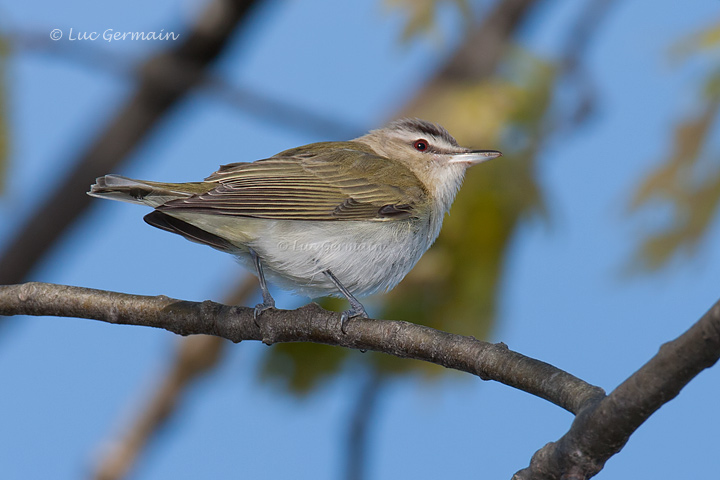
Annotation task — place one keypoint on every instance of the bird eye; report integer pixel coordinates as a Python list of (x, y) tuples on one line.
[(421, 145)]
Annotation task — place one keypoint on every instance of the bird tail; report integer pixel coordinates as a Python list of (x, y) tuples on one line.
[(144, 192)]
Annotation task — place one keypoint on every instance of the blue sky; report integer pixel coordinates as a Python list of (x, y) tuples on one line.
[(70, 385)]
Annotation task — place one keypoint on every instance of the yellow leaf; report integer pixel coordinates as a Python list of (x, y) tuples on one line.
[(422, 15), (689, 186), (706, 39)]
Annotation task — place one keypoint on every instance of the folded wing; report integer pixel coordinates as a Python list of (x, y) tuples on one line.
[(338, 181)]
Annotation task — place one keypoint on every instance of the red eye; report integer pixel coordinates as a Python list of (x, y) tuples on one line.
[(420, 145)]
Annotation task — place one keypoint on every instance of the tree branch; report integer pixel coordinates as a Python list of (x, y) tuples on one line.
[(602, 429), (307, 324), (603, 423)]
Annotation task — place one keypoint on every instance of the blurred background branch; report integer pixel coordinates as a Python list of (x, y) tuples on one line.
[(194, 357), (364, 415), (4, 129), (261, 107), (159, 89)]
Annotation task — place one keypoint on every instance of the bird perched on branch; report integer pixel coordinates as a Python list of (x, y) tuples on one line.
[(330, 218)]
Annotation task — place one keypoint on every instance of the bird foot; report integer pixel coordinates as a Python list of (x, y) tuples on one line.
[(347, 315), (260, 308)]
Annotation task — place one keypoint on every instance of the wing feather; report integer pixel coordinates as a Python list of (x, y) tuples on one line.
[(338, 181)]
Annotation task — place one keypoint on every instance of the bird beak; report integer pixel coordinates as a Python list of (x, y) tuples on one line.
[(473, 157)]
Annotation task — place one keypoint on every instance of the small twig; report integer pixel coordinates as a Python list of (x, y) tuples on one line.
[(307, 324)]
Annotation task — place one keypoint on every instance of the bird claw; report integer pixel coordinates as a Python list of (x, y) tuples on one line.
[(347, 315), (260, 308)]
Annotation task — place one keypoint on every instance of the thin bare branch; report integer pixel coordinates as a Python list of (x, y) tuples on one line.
[(307, 324), (603, 428)]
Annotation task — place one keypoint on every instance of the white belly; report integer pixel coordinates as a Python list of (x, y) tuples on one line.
[(366, 257)]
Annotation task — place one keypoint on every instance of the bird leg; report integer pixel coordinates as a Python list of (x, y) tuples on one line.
[(356, 308), (268, 301)]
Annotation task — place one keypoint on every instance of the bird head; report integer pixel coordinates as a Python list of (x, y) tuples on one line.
[(430, 152)]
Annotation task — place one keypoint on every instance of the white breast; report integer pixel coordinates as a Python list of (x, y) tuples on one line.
[(366, 257)]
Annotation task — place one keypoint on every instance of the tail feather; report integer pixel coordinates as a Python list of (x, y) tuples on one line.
[(153, 194), (189, 231)]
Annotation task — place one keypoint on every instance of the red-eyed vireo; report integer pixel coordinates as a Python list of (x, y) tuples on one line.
[(329, 218)]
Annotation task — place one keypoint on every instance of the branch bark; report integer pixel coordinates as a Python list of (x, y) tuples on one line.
[(307, 324), (602, 429), (602, 426)]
